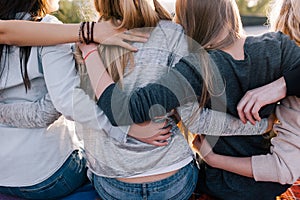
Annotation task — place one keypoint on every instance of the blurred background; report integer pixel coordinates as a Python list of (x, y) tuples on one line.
[(253, 12)]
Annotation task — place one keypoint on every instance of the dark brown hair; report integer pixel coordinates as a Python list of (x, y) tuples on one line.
[(17, 9)]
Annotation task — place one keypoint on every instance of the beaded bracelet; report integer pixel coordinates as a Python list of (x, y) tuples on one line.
[(80, 32), (89, 37)]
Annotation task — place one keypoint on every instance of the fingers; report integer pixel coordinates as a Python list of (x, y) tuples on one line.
[(161, 140), (159, 143), (166, 130), (137, 33), (163, 137), (249, 107), (248, 113), (244, 104), (240, 109), (255, 111), (133, 38), (128, 46)]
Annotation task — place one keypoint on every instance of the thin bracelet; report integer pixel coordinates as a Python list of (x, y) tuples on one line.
[(88, 33), (89, 53), (80, 38), (83, 33), (92, 32)]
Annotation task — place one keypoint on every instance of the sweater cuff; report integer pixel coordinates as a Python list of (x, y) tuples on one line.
[(263, 168)]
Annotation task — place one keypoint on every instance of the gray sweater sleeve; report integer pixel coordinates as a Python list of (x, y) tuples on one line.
[(215, 123), (37, 114), (176, 88)]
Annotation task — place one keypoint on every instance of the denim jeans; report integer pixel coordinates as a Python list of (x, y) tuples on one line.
[(179, 186), (68, 178)]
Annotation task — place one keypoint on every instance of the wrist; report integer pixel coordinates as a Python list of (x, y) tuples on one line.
[(282, 86), (86, 54), (210, 159)]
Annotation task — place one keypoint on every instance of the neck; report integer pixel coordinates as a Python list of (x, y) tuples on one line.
[(236, 50)]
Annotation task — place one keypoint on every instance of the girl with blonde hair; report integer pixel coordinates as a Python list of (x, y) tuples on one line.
[(134, 169)]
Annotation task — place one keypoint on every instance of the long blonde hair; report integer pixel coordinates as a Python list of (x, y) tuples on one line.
[(285, 17), (131, 14)]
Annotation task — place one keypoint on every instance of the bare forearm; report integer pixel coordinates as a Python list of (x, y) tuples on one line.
[(238, 165), (99, 78), (24, 33)]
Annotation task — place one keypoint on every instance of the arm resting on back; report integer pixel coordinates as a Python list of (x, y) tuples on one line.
[(37, 114)]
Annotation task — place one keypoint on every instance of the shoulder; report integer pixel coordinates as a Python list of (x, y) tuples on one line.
[(167, 24), (191, 62), (267, 39), (51, 19)]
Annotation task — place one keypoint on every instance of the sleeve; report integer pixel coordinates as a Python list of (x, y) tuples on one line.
[(282, 165), (180, 85), (292, 82), (181, 88), (37, 114), (290, 58), (63, 84), (211, 122)]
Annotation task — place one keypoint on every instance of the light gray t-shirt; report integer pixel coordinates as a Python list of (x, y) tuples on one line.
[(110, 158)]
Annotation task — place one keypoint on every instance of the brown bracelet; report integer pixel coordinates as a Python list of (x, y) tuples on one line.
[(80, 38), (92, 32), (83, 33), (88, 33), (89, 36)]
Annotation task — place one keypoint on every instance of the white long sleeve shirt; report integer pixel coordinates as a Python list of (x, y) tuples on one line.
[(29, 156)]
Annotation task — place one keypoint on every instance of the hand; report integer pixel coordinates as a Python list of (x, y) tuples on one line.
[(108, 34), (152, 133), (255, 99), (202, 147)]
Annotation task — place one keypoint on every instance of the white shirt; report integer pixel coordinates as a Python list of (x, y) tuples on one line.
[(30, 156)]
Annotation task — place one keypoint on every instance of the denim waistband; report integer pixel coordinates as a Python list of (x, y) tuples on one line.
[(153, 186)]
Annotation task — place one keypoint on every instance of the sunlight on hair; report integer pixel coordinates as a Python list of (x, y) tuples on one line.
[(86, 10)]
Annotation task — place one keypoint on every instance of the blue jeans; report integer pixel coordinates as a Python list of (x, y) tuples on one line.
[(67, 179), (179, 186)]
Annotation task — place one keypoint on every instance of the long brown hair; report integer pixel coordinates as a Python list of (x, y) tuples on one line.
[(285, 17), (206, 20), (132, 14), (17, 9), (210, 24)]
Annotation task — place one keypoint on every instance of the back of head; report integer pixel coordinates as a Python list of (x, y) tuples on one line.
[(17, 9), (214, 24), (285, 17), (9, 8), (130, 14)]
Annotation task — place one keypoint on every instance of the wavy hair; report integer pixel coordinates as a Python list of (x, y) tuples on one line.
[(285, 17), (131, 14)]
